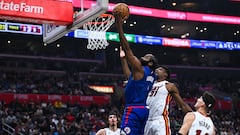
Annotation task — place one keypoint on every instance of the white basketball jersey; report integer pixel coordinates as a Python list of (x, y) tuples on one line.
[(202, 125), (158, 100), (110, 132)]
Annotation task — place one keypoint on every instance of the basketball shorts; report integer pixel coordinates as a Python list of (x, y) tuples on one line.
[(134, 120), (159, 126)]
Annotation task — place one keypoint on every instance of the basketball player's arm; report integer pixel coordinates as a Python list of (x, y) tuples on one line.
[(173, 90), (187, 123), (101, 132), (125, 67), (133, 61), (214, 131)]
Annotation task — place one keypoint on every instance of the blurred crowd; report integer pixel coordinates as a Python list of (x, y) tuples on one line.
[(39, 119), (32, 118), (44, 83), (75, 84)]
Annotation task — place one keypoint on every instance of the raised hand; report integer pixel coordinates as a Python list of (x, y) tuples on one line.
[(122, 53), (118, 17)]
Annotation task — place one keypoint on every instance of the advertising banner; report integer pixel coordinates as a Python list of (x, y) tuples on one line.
[(37, 11), (197, 44), (228, 45), (151, 40), (88, 100), (220, 104), (40, 98), (112, 36), (169, 14), (21, 28), (81, 33), (175, 42), (213, 18)]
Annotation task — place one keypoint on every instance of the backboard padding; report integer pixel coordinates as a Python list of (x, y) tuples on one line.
[(53, 33)]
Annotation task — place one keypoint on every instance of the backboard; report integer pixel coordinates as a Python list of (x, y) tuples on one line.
[(52, 32)]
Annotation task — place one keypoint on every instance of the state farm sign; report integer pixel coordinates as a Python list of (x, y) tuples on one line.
[(37, 11), (21, 7)]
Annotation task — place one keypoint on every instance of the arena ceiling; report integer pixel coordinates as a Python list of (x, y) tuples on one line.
[(32, 45)]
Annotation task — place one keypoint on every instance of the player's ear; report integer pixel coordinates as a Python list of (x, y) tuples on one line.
[(165, 75)]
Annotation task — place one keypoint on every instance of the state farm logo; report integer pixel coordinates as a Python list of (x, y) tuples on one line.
[(21, 7)]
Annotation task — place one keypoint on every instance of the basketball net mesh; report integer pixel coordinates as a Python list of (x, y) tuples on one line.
[(97, 31)]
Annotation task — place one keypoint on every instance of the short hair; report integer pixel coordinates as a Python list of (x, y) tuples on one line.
[(113, 112), (116, 113), (209, 100), (167, 71)]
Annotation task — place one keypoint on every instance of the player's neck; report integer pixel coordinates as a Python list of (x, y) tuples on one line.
[(202, 111), (113, 128), (160, 80)]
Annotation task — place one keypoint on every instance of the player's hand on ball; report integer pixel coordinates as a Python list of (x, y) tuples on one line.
[(118, 19), (122, 9), (121, 12), (118, 16)]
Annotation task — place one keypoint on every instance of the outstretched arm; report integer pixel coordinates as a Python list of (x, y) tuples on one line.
[(214, 132), (175, 94), (187, 123), (133, 61), (125, 66)]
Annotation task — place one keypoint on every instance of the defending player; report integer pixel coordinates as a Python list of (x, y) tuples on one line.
[(112, 128), (158, 101), (199, 122), (140, 82)]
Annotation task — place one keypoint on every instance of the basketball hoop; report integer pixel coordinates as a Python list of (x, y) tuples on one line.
[(97, 31)]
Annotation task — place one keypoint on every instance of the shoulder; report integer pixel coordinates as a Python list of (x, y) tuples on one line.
[(118, 130), (190, 116), (171, 87), (169, 84), (101, 132)]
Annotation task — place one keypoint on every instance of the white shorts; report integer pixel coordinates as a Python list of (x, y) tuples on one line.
[(160, 126)]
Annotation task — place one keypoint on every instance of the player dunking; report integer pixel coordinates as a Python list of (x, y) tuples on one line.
[(112, 128), (199, 123), (140, 82), (158, 101)]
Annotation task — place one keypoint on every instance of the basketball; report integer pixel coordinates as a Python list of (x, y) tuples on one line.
[(123, 9)]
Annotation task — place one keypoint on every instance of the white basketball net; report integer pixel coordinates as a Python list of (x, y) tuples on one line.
[(97, 31)]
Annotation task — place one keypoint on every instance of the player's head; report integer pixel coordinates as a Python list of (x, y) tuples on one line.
[(149, 60), (162, 73), (113, 118), (207, 100)]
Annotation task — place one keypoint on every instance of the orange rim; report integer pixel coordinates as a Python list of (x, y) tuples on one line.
[(103, 16)]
